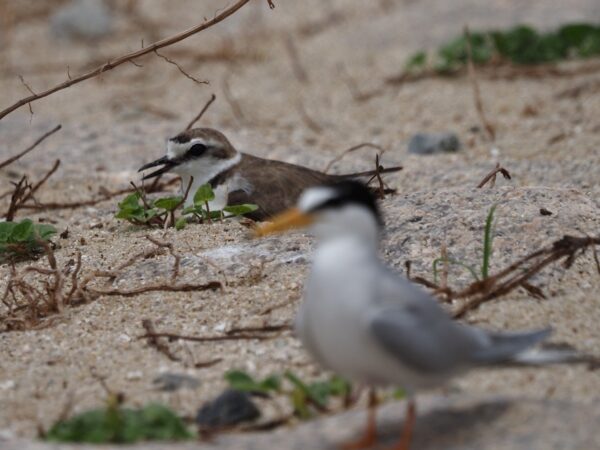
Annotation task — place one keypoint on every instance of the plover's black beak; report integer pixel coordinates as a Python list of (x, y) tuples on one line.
[(167, 164)]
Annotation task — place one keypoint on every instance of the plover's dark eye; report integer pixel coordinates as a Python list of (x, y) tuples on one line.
[(197, 150)]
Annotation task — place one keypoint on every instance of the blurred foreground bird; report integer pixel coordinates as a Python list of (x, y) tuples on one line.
[(369, 324), (236, 178)]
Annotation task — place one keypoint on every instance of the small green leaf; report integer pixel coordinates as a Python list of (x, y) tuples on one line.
[(44, 231), (131, 201), (168, 203), (23, 231), (180, 223), (271, 383), (6, 229), (192, 210), (339, 387), (238, 210), (399, 393), (298, 397), (416, 61), (241, 381), (204, 194), (297, 382)]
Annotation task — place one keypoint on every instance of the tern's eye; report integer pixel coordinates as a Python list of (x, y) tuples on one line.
[(197, 150)]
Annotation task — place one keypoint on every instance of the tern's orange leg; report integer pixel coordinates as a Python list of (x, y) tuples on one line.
[(370, 436), (407, 429)]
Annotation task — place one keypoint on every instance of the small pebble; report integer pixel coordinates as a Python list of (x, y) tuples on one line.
[(169, 381), (431, 143)]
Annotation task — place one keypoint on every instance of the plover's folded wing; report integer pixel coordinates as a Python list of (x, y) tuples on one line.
[(272, 185)]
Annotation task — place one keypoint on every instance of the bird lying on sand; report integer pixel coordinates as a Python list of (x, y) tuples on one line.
[(236, 178), (371, 325)]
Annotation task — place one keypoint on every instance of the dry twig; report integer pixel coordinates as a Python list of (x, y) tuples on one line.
[(176, 257), (24, 191), (492, 176), (308, 121), (126, 58), (233, 103), (156, 343), (297, 67), (489, 128), (12, 159), (228, 337), (213, 97), (568, 247), (107, 195), (517, 274), (187, 75), (350, 150)]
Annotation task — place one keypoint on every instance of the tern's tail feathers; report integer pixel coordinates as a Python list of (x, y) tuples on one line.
[(526, 349)]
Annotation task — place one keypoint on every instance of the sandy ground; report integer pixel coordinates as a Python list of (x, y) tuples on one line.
[(115, 123)]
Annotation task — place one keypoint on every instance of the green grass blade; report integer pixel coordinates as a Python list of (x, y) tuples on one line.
[(488, 238)]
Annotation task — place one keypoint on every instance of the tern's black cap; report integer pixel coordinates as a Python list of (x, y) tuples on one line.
[(349, 192)]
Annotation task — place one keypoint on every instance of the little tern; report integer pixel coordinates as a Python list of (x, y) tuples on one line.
[(371, 325)]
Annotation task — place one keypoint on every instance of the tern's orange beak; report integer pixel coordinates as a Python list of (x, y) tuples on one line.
[(292, 218)]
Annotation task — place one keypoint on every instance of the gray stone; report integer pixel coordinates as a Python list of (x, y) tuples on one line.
[(173, 381), (228, 409), (81, 20), (430, 143)]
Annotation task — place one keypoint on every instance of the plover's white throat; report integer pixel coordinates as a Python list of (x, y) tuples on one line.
[(236, 177), (368, 324)]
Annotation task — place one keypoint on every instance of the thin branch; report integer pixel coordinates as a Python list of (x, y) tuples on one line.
[(350, 150), (476, 93), (156, 343), (176, 257), (31, 147), (492, 176), (235, 105), (127, 57), (187, 75), (24, 191), (355, 91), (26, 85), (233, 337), (105, 196), (39, 184), (568, 247), (263, 329), (308, 121), (211, 285), (213, 97), (297, 67)]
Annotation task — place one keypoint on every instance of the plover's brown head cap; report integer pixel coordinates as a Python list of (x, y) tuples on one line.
[(192, 151)]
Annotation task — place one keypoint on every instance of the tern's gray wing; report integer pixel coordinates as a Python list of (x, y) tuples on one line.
[(411, 325)]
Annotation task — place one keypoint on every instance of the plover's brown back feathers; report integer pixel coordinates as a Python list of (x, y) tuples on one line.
[(274, 185)]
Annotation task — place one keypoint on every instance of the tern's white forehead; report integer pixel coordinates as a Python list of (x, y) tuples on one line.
[(313, 197), (176, 149)]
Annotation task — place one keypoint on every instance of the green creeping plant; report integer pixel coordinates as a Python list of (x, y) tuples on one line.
[(23, 238), (161, 211), (521, 44), (114, 424)]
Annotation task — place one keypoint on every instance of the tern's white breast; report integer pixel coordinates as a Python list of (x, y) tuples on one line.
[(334, 318)]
